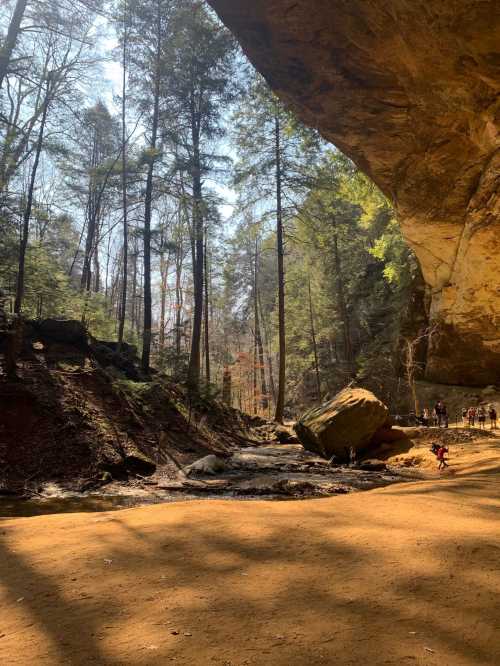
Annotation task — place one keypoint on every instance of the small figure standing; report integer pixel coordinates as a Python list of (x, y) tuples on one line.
[(425, 417), (444, 415), (492, 413), (441, 414), (481, 416), (442, 451), (437, 413), (471, 414), (464, 416)]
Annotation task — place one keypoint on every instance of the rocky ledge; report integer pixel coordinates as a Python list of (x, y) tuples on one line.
[(409, 90)]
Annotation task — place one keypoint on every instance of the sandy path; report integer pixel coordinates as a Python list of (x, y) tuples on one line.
[(408, 574)]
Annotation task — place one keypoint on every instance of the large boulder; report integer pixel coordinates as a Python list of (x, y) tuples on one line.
[(107, 354), (67, 331), (350, 419)]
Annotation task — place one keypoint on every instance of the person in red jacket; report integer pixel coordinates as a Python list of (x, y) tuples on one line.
[(441, 457)]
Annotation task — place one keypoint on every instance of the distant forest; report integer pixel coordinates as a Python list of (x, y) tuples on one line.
[(153, 187)]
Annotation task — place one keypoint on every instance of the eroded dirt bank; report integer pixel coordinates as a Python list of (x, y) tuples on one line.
[(403, 574)]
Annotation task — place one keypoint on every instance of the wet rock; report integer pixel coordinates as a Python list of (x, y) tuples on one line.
[(372, 465), (350, 419), (210, 464), (94, 484)]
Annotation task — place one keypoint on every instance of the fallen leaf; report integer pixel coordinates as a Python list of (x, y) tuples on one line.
[(20, 599)]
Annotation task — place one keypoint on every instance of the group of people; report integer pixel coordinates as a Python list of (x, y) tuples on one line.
[(472, 414), (439, 416)]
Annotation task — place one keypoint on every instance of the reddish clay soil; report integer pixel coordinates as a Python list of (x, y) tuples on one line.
[(68, 419), (407, 574)]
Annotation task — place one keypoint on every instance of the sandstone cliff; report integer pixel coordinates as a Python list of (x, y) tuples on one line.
[(409, 90)]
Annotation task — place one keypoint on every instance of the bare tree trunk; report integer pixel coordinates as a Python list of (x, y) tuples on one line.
[(29, 203), (92, 214), (10, 40), (97, 268), (226, 386), (106, 274), (254, 375), (146, 335), (313, 337), (206, 311), (123, 304), (269, 359), (164, 265), (280, 400), (341, 303), (198, 263), (410, 373), (134, 317), (178, 301), (258, 337)]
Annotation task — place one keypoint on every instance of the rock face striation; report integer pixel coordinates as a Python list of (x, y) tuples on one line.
[(409, 90)]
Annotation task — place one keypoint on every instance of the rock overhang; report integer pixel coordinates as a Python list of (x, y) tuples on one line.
[(410, 92)]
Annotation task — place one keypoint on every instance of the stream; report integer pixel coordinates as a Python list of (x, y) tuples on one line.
[(272, 472)]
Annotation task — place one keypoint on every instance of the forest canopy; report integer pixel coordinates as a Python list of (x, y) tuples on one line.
[(153, 187)]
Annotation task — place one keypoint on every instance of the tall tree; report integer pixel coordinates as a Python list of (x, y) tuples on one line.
[(124, 54), (197, 88), (257, 326), (151, 32), (261, 171), (29, 199), (10, 41), (280, 250)]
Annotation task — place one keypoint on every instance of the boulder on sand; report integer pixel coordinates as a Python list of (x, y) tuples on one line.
[(350, 419)]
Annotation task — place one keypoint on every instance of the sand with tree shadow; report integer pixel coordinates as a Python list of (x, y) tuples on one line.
[(407, 574)]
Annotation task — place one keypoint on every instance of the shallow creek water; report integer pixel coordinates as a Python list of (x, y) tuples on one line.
[(274, 472)]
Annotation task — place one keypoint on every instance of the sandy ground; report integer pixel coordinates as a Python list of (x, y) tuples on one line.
[(407, 574)]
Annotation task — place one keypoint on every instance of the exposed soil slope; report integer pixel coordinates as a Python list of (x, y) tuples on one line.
[(408, 574), (68, 418)]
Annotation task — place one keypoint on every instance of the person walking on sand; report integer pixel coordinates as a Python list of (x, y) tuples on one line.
[(481, 416), (442, 451), (492, 413)]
